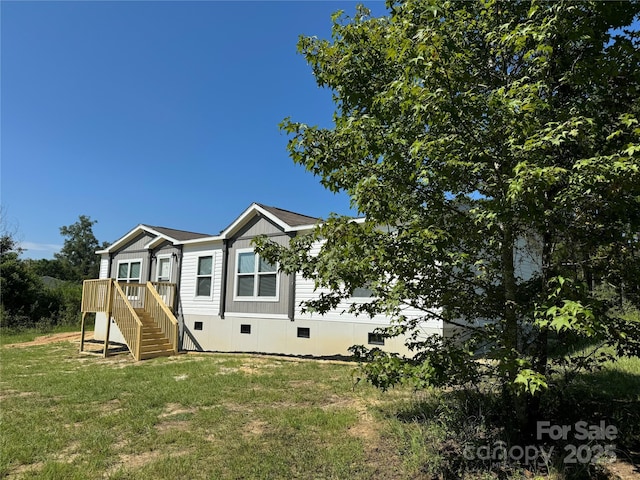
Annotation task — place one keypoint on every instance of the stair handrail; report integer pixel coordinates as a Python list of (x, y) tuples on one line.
[(162, 315), (167, 291), (127, 320)]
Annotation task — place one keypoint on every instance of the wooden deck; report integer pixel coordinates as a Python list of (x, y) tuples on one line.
[(142, 311)]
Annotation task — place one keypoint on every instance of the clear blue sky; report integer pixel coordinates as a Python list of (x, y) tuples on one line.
[(164, 113)]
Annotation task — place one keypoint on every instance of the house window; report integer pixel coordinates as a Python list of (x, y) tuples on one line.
[(197, 325), (255, 277), (204, 276), (362, 292), (304, 332), (245, 329), (129, 271), (376, 338), (163, 273)]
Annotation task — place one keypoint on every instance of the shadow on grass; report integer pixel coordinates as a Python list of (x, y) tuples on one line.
[(467, 433), (611, 396), (96, 347)]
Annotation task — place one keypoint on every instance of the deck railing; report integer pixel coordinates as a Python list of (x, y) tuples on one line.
[(167, 292), (155, 306), (136, 293), (127, 320), (96, 295), (120, 301)]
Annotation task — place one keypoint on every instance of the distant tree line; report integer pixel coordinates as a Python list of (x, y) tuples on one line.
[(46, 292)]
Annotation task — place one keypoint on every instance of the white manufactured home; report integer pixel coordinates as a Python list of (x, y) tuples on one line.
[(163, 290)]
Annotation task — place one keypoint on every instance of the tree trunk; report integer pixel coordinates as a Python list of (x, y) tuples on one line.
[(510, 336), (516, 403), (541, 344), (540, 350)]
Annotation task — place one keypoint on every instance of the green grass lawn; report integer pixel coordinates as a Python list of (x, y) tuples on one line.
[(66, 415)]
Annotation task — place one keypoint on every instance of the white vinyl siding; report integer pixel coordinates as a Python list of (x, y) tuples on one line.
[(305, 290), (104, 266), (191, 303)]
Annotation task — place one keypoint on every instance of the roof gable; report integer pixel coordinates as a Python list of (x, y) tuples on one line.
[(292, 219), (180, 235), (161, 234), (288, 221)]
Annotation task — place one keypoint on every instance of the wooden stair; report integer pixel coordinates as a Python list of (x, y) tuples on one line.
[(153, 343)]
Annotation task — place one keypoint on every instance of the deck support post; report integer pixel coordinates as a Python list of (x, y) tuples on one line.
[(109, 304), (106, 338), (84, 315)]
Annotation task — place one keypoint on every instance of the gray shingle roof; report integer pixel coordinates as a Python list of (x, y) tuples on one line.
[(180, 235), (290, 218)]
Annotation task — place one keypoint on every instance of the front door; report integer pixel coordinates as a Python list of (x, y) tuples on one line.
[(164, 269), (163, 274)]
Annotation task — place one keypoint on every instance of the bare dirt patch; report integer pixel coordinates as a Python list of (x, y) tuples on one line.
[(380, 454), (134, 461), (237, 408), (336, 401), (168, 420), (54, 338), (255, 366), (14, 394), (227, 370), (24, 469), (68, 455), (303, 383), (182, 425), (108, 408), (172, 409), (254, 428)]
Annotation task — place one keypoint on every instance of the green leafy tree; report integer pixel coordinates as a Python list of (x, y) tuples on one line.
[(478, 138), (78, 254), (48, 267), (20, 288), (26, 300)]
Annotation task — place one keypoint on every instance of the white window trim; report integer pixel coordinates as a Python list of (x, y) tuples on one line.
[(129, 261), (254, 298), (213, 269), (163, 257)]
